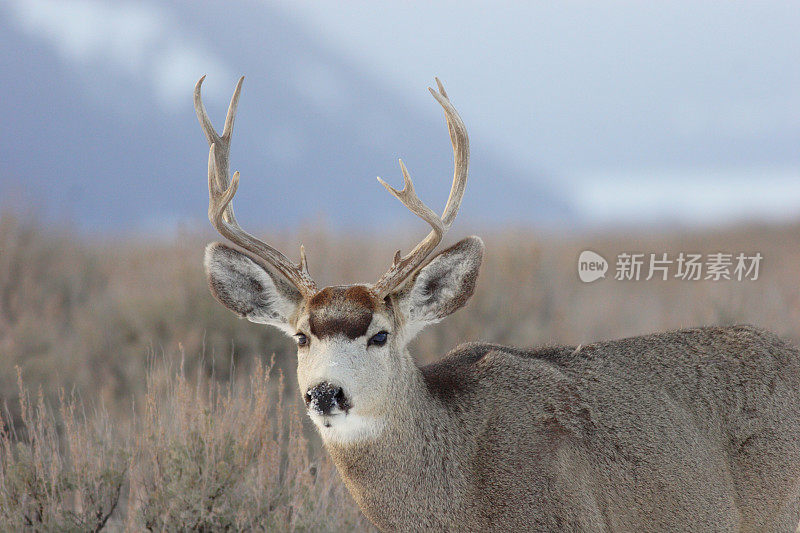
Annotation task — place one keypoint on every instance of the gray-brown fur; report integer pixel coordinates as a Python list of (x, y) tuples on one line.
[(692, 430)]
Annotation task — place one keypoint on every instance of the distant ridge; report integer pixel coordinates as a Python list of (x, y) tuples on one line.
[(312, 133)]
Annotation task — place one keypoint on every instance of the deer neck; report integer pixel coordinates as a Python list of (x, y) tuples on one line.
[(415, 465)]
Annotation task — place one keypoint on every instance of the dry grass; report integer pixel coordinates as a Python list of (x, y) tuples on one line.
[(202, 456), (64, 470), (181, 440), (213, 457)]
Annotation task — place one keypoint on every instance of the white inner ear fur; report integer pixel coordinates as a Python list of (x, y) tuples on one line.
[(247, 289), (442, 286)]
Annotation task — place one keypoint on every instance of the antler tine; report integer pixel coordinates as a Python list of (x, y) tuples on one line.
[(202, 114), (223, 142), (221, 192), (303, 262), (403, 267), (410, 199), (460, 141)]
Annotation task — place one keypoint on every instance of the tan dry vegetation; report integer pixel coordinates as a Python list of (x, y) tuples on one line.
[(173, 419)]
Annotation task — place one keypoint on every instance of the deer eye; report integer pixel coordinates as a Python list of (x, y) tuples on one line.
[(301, 339), (379, 339)]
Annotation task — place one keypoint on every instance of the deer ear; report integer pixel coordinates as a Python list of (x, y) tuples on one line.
[(249, 289), (441, 287)]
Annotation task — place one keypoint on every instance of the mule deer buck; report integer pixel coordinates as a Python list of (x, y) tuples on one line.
[(690, 430)]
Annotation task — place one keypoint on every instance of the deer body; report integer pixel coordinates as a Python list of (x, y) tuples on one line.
[(692, 430), (668, 432)]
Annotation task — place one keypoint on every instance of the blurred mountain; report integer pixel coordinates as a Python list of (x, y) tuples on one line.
[(94, 136)]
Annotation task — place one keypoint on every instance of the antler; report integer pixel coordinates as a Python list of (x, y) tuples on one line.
[(221, 191), (403, 267)]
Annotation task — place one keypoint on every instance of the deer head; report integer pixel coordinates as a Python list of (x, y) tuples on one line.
[(351, 339)]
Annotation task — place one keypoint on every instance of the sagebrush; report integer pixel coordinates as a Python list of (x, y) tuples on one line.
[(153, 406)]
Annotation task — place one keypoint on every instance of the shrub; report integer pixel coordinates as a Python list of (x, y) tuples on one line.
[(64, 472), (201, 457), (210, 457)]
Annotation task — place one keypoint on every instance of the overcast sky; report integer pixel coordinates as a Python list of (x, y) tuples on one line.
[(609, 94), (625, 99), (587, 85)]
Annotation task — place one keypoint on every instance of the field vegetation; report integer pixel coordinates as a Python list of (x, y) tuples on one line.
[(131, 400)]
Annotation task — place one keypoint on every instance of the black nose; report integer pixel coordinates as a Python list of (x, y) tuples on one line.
[(324, 397)]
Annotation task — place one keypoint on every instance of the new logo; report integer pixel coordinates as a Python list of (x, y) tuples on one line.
[(591, 266)]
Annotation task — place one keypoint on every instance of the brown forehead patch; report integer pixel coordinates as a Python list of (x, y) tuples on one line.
[(341, 311)]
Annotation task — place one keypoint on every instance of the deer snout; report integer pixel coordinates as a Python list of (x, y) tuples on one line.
[(325, 398)]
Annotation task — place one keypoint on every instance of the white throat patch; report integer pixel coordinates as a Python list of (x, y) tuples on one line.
[(346, 428)]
